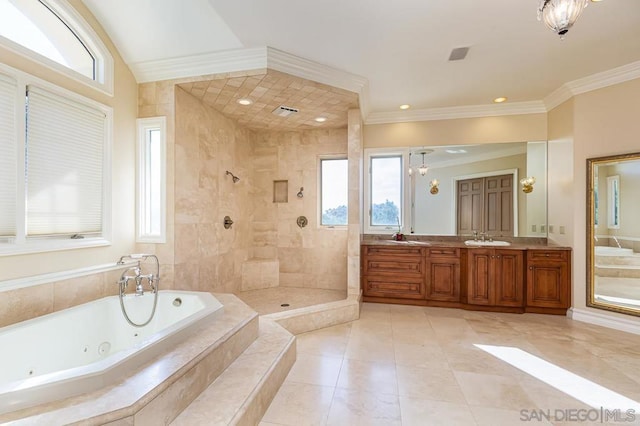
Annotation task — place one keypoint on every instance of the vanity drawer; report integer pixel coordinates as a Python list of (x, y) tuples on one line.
[(401, 287), (385, 251), (451, 252), (394, 265), (556, 255)]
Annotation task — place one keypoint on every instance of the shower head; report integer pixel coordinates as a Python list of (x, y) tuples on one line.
[(233, 177)]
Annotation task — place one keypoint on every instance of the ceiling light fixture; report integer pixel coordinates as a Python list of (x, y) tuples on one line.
[(405, 106), (245, 101), (320, 119), (499, 100), (560, 15), (423, 168)]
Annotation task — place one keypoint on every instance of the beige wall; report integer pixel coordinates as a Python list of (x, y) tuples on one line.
[(25, 303), (560, 174), (312, 256), (605, 123), (464, 131)]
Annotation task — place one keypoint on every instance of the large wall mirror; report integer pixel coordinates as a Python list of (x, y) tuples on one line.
[(613, 233), (478, 187)]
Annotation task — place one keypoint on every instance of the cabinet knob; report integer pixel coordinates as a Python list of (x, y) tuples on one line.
[(531, 268), (547, 254), (493, 257), (498, 256)]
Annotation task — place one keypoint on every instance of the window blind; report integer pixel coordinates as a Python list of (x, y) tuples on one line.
[(64, 160), (8, 156)]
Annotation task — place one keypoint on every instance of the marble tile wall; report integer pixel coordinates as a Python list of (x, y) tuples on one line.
[(30, 302), (311, 257), (207, 256)]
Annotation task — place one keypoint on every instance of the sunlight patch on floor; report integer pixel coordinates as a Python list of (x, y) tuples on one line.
[(565, 381)]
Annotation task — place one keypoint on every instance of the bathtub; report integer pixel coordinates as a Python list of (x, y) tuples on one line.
[(613, 251), (89, 346)]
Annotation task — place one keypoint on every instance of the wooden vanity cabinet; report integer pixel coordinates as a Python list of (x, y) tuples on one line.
[(442, 280), (483, 278), (548, 281), (393, 272), (495, 277)]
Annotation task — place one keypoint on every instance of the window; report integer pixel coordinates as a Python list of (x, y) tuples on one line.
[(151, 206), (53, 33), (613, 202), (385, 188), (55, 149), (334, 191)]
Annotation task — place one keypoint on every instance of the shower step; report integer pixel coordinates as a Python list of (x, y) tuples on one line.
[(618, 271), (243, 392)]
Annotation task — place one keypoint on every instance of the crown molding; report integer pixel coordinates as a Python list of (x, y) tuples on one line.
[(249, 59), (204, 64), (605, 78), (557, 97), (448, 113), (592, 82), (270, 58)]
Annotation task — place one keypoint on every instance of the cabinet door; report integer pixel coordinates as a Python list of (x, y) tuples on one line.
[(509, 277), (548, 284), (443, 279), (479, 277)]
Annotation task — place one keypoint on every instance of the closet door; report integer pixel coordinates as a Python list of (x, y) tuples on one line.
[(470, 206), (498, 205)]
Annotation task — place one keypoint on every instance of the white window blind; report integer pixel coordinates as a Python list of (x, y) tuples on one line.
[(64, 157), (8, 154)]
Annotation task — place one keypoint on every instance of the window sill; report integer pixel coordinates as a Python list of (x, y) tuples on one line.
[(43, 246)]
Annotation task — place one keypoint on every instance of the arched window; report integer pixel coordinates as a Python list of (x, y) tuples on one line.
[(59, 37)]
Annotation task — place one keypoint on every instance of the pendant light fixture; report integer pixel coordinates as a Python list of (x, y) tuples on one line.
[(560, 15)]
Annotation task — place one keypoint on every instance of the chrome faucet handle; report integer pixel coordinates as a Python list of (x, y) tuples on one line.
[(475, 235)]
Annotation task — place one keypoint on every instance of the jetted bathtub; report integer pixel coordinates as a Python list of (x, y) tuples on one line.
[(89, 346)]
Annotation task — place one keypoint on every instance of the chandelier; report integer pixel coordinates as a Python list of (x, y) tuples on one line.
[(423, 168), (560, 15)]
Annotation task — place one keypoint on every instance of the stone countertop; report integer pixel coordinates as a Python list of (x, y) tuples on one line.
[(514, 245)]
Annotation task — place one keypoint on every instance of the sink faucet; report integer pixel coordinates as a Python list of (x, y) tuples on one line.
[(475, 235)]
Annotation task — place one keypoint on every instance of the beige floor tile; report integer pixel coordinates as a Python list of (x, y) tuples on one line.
[(493, 391), (370, 348), (429, 383), (420, 412), (330, 341), (425, 355), (352, 408), (298, 404), (315, 370), (368, 376)]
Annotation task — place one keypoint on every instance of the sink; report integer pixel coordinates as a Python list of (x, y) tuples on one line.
[(494, 243)]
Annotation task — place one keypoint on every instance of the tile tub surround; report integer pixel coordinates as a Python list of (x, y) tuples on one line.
[(152, 392), (409, 365)]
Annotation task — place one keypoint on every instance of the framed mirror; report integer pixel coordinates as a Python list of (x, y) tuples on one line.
[(613, 233)]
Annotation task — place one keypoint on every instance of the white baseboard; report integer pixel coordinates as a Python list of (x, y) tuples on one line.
[(605, 320)]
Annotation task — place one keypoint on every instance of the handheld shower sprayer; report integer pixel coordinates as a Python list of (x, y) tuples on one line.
[(233, 177)]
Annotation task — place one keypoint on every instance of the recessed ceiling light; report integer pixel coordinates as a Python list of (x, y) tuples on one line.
[(456, 151), (500, 100), (320, 119), (405, 106), (245, 101)]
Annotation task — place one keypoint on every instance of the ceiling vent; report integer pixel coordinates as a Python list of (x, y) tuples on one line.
[(284, 111), (458, 54)]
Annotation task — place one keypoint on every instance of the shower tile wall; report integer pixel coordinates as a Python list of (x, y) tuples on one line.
[(209, 257), (199, 252), (309, 257)]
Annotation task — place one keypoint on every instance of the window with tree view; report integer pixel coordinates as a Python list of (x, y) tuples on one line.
[(386, 190), (333, 187)]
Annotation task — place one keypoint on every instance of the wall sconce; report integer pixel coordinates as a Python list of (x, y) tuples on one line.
[(434, 187), (527, 184)]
